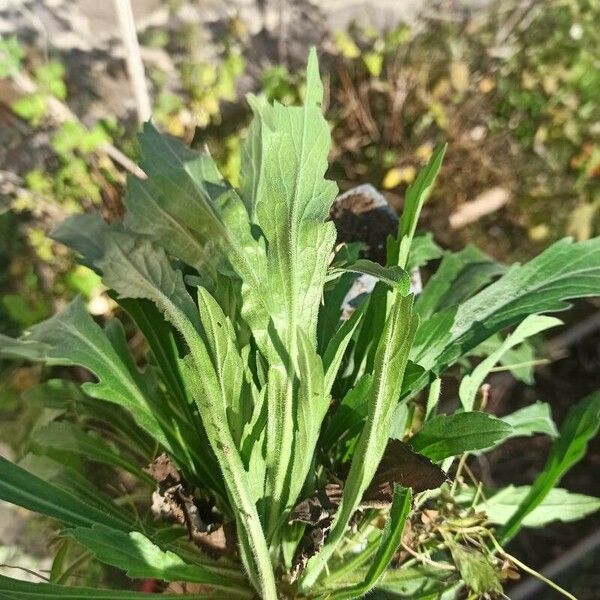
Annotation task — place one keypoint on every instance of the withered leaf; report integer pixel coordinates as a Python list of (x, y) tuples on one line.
[(401, 465), (173, 501), (318, 507)]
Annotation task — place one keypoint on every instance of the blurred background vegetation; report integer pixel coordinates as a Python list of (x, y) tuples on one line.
[(511, 85)]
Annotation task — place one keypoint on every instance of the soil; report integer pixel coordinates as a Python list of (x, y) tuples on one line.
[(362, 214)]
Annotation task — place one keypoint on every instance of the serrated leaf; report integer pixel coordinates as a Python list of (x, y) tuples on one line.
[(136, 268), (558, 505), (422, 250), (151, 213), (470, 384), (451, 435), (580, 425), (86, 235), (564, 271), (285, 157), (73, 338), (187, 183), (227, 362), (283, 187), (189, 194)]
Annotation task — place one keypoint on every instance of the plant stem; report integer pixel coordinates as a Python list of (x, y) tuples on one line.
[(531, 571)]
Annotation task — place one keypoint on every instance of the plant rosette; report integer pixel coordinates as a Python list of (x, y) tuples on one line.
[(274, 436)]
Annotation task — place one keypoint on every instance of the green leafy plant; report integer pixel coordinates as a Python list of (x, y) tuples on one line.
[(286, 439)]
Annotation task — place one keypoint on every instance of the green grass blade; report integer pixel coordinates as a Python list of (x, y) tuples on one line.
[(580, 425), (390, 541), (22, 488)]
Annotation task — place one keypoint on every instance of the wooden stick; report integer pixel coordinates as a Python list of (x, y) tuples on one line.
[(135, 66)]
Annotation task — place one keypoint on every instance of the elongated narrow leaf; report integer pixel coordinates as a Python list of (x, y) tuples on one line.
[(471, 383), (564, 271), (65, 395), (391, 538), (390, 541), (388, 373), (332, 308), (417, 583), (74, 483), (520, 361), (535, 418), (395, 276), (450, 435), (334, 353), (580, 425), (227, 362), (139, 557), (416, 196), (558, 505), (19, 487), (66, 437), (137, 269), (350, 413), (433, 336), (313, 402), (161, 340), (14, 589)]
